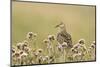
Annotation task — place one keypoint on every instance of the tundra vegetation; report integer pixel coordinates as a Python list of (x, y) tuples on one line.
[(35, 39), (27, 51)]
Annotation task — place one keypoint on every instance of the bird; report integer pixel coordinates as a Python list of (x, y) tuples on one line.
[(63, 35)]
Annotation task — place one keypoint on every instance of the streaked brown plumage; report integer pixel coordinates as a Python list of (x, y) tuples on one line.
[(63, 35)]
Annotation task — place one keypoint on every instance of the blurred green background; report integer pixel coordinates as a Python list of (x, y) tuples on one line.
[(41, 18)]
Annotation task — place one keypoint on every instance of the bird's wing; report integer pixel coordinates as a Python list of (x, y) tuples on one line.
[(60, 39), (67, 38)]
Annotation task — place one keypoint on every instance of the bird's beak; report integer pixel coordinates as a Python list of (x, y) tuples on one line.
[(56, 26)]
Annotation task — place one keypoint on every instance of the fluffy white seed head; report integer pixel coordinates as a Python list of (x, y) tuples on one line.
[(25, 42), (34, 52), (13, 50), (81, 41), (93, 45), (24, 54), (17, 54), (93, 42), (45, 58), (46, 41), (40, 50), (19, 45), (64, 44), (51, 37), (74, 50), (77, 55), (37, 52), (27, 49), (79, 47), (35, 35), (31, 35)]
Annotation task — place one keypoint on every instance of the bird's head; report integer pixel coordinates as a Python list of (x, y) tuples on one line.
[(61, 26)]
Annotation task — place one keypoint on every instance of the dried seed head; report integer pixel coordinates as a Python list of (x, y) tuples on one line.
[(24, 54), (77, 55), (19, 46), (20, 52), (13, 50), (46, 41), (25, 42), (17, 54), (40, 50), (64, 44), (47, 57), (74, 50), (29, 35), (93, 45), (51, 37), (34, 52), (27, 49), (37, 52), (81, 41), (35, 35)]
